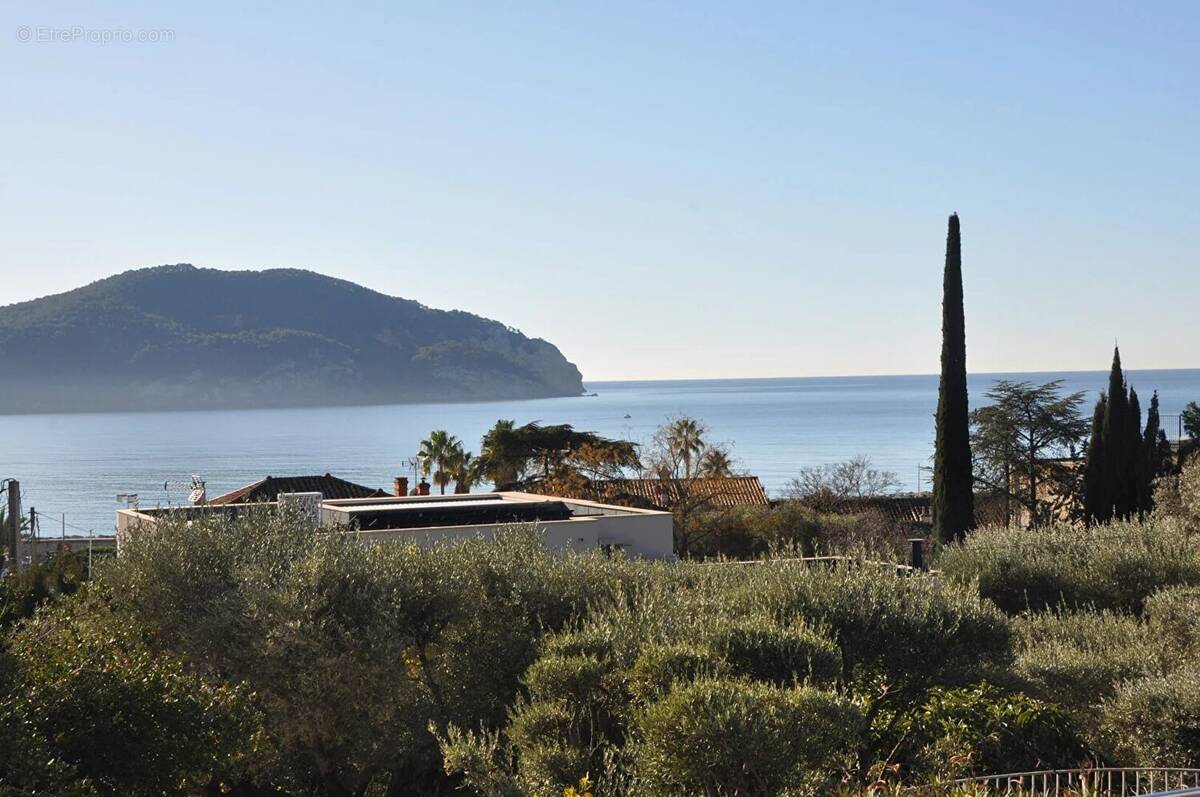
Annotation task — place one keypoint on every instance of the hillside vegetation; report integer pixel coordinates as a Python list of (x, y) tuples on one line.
[(186, 337)]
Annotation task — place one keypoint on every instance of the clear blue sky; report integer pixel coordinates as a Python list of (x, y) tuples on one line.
[(663, 190)]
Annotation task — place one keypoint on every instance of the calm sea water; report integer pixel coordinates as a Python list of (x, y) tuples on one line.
[(76, 464)]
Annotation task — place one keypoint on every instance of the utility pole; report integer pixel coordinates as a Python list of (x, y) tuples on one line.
[(12, 536)]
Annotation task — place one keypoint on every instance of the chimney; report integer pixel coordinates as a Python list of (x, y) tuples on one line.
[(400, 484), (423, 488)]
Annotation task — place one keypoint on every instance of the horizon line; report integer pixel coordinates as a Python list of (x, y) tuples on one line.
[(587, 381)]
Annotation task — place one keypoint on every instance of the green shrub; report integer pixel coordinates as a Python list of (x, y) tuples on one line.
[(762, 650), (352, 651), (734, 737), (555, 740), (660, 666), (985, 730), (576, 679), (24, 590), (914, 631), (1076, 659), (1156, 720), (362, 662), (1177, 496), (752, 626), (753, 531), (481, 761), (96, 707), (1173, 617), (584, 642), (1114, 566)]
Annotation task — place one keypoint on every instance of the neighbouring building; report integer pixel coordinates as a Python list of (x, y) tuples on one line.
[(915, 509), (564, 523), (269, 489), (725, 492)]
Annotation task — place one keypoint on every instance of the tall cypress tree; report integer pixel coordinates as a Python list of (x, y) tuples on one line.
[(1131, 468), (1113, 479), (953, 481), (1094, 506), (1152, 464), (1166, 454)]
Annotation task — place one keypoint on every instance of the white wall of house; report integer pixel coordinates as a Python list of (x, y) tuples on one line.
[(638, 536)]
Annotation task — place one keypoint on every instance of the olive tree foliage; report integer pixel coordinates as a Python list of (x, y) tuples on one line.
[(793, 528), (1129, 682), (92, 709), (759, 739), (352, 652), (1155, 717), (704, 683), (1115, 566), (1177, 496), (1105, 628)]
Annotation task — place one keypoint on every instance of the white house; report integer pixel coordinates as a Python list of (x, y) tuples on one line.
[(564, 523)]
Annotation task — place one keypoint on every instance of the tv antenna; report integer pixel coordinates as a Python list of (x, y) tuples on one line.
[(199, 494)]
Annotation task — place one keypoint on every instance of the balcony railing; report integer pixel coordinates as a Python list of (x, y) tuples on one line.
[(1094, 782)]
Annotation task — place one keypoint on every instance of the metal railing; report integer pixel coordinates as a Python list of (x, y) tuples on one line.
[(1097, 781)]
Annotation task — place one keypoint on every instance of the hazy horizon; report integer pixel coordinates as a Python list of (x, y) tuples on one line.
[(693, 191)]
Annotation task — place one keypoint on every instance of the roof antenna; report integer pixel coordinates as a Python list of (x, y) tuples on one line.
[(199, 494)]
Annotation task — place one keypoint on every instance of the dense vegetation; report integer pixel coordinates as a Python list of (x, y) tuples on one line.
[(266, 657), (792, 528), (179, 336)]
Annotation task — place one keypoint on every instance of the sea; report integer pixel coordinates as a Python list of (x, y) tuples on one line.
[(72, 467)]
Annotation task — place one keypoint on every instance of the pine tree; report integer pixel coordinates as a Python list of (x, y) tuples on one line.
[(1094, 506), (1132, 469), (1113, 480), (953, 487)]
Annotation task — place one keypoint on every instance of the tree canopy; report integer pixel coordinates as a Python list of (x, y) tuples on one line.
[(1026, 440), (515, 457)]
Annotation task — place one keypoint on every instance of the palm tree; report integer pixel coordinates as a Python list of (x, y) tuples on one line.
[(436, 453), (716, 463), (466, 469), (686, 437), (501, 459)]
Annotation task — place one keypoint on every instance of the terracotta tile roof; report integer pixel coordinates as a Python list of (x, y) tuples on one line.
[(731, 491), (268, 489), (904, 508)]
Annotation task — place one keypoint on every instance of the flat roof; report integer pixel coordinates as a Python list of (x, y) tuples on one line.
[(374, 515), (425, 511), (421, 506)]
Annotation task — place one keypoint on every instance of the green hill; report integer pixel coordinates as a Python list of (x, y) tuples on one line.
[(178, 336)]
